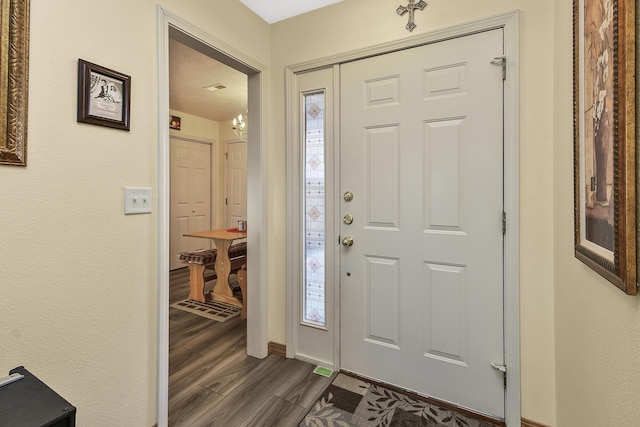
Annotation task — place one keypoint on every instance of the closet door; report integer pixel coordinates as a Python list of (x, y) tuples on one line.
[(236, 183), (190, 197)]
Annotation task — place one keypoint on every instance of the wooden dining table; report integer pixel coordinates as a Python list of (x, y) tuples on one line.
[(222, 238)]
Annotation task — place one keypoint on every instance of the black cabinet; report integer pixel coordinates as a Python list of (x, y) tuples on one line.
[(31, 403)]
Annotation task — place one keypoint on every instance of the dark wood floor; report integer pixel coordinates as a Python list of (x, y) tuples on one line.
[(212, 382)]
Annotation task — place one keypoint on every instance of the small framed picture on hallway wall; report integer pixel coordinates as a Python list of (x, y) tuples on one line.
[(104, 96), (604, 139)]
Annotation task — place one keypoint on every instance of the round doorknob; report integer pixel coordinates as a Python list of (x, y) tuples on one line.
[(347, 241)]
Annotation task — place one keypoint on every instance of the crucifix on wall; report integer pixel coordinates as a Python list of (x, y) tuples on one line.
[(410, 8)]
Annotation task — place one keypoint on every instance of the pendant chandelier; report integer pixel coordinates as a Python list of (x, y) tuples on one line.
[(240, 126)]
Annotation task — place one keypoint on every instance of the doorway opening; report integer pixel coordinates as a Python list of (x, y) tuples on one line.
[(172, 27)]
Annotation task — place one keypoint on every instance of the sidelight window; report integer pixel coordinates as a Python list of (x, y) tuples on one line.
[(314, 207)]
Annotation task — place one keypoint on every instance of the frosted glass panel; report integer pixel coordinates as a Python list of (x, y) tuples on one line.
[(314, 206)]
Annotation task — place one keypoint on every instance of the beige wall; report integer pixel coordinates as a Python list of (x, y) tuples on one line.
[(78, 278), (597, 326), (196, 127), (359, 23)]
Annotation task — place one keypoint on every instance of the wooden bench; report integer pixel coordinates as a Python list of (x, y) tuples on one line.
[(200, 260), (242, 281)]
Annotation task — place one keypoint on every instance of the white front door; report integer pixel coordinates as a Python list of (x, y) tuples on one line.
[(190, 197), (422, 285), (236, 183)]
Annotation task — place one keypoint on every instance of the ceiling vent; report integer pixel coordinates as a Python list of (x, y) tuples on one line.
[(214, 87)]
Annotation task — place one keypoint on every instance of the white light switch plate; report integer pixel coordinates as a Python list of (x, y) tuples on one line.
[(137, 200)]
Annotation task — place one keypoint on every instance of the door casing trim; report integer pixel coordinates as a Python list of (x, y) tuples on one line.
[(257, 75), (509, 23)]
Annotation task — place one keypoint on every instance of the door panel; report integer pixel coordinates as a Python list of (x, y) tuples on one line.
[(422, 285), (446, 287), (443, 147), (382, 169), (382, 307)]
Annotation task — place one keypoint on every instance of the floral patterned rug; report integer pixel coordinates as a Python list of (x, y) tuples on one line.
[(350, 402)]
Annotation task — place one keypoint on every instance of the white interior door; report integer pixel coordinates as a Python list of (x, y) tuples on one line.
[(190, 197), (422, 285), (236, 183)]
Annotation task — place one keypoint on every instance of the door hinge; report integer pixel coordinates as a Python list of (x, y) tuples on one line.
[(504, 223), (502, 61), (503, 369), (226, 156), (225, 201)]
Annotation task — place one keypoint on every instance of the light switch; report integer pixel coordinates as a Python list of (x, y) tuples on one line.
[(137, 200)]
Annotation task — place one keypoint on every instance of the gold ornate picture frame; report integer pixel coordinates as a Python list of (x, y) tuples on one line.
[(14, 70), (605, 139)]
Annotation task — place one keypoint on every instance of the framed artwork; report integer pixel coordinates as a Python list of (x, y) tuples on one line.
[(604, 139), (174, 122), (104, 96), (14, 70)]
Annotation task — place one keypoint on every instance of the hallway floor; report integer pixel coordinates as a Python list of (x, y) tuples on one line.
[(212, 382)]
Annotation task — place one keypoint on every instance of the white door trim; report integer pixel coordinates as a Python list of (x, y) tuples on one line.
[(256, 195), (509, 22), (303, 340)]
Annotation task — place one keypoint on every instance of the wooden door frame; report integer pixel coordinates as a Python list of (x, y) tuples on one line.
[(509, 23), (257, 320)]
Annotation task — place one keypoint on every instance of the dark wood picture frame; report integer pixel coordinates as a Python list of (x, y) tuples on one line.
[(104, 96), (14, 71), (604, 96), (175, 122)]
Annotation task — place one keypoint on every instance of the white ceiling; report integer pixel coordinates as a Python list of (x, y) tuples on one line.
[(190, 71), (277, 10)]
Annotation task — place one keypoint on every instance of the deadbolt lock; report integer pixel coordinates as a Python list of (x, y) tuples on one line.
[(348, 196), (348, 219)]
